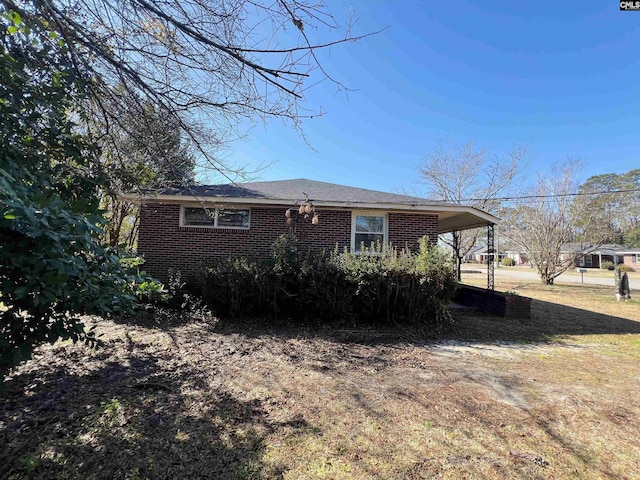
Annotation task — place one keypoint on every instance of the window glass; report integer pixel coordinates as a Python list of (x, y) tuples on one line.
[(369, 223), (233, 218), (369, 231), (198, 216), (216, 217)]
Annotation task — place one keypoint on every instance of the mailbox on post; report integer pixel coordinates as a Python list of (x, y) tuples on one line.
[(582, 272)]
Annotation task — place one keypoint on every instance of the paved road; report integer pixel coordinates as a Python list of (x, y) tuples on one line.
[(532, 275)]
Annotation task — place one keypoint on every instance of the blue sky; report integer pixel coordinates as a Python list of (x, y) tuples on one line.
[(561, 77)]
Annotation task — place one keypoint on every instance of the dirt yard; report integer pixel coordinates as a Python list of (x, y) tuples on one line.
[(553, 397)]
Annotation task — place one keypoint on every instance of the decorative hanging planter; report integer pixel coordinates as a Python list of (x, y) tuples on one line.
[(305, 211)]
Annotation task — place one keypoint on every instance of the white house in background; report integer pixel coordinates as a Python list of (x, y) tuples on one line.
[(519, 257), (479, 254)]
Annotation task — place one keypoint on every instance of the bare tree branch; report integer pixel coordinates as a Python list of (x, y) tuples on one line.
[(454, 173), (557, 229), (217, 61)]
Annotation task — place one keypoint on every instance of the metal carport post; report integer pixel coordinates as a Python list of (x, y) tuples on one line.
[(490, 256)]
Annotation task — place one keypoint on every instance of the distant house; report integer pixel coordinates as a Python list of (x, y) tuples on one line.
[(518, 256), (475, 254), (592, 256), (602, 253), (480, 254), (184, 228), (629, 257), (581, 251)]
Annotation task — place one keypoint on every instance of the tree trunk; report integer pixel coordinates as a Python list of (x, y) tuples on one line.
[(133, 234), (117, 217)]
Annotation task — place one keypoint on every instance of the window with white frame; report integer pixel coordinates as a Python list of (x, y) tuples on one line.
[(635, 258), (367, 230), (215, 217)]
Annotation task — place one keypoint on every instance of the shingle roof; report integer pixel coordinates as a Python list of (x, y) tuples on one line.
[(628, 250), (604, 249), (292, 190), (608, 248)]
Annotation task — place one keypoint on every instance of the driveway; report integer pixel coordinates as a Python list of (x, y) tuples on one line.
[(532, 275)]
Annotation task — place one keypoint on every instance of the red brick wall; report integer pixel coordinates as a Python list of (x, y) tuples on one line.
[(628, 260), (405, 229), (164, 244)]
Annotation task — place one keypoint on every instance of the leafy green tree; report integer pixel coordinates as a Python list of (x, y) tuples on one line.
[(197, 69), (52, 268), (614, 199), (632, 238), (219, 62)]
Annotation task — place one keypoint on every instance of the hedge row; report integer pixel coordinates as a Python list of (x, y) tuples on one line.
[(383, 286)]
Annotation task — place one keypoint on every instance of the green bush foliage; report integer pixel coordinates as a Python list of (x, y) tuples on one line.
[(607, 265), (381, 286), (625, 268), (632, 238), (144, 289), (508, 262), (52, 266)]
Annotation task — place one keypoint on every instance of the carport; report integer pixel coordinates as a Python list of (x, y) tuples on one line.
[(452, 219)]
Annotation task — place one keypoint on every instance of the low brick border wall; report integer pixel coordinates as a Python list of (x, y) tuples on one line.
[(495, 303)]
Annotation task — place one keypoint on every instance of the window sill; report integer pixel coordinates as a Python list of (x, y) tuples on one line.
[(201, 228)]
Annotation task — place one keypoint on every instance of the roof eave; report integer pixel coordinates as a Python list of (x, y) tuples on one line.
[(483, 218)]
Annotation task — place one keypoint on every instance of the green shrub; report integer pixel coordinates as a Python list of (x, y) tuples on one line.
[(144, 288), (382, 285), (288, 284), (625, 268), (235, 287), (508, 262), (53, 269), (324, 292), (607, 265)]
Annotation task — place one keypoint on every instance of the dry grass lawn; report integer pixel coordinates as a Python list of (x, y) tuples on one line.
[(553, 397)]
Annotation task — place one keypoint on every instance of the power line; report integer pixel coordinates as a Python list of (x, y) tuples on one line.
[(525, 197)]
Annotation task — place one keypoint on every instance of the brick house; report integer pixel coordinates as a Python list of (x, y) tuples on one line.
[(183, 228), (592, 256), (629, 257)]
